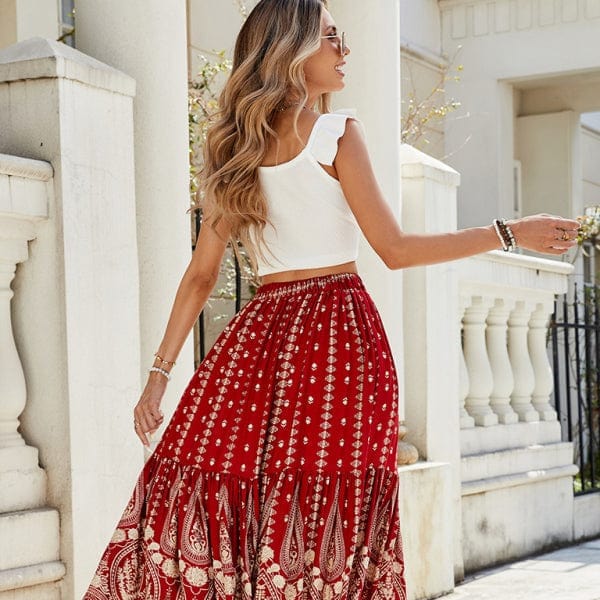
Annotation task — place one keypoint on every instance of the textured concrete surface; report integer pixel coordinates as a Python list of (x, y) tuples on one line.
[(568, 574)]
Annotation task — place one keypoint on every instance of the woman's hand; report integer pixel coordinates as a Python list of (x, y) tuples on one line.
[(545, 233), (147, 416)]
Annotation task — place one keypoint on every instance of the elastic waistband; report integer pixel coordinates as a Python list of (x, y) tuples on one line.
[(339, 281)]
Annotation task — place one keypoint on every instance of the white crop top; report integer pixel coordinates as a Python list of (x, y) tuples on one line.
[(311, 224)]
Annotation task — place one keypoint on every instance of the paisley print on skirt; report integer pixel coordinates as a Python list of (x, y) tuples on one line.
[(276, 476)]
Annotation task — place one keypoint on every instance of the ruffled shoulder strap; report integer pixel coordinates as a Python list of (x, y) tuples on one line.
[(328, 129)]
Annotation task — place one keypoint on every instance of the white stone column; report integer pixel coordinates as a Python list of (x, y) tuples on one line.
[(544, 381), (373, 88), (374, 36), (432, 346), (75, 310), (497, 346), (147, 39), (481, 380), (518, 351)]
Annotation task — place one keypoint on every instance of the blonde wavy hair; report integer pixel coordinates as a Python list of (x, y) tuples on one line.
[(274, 43)]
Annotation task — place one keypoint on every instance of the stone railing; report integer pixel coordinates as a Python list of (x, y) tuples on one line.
[(512, 453), (477, 384), (505, 377), (25, 187)]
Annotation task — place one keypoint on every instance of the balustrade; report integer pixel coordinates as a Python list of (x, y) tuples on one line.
[(505, 305), (25, 186), (23, 202)]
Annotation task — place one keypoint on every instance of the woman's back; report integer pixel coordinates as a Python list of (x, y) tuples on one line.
[(310, 222), (287, 145)]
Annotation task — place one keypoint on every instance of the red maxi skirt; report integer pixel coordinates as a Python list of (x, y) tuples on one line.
[(276, 476)]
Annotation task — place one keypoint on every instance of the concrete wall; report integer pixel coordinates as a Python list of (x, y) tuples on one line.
[(420, 24), (549, 148), (206, 39), (505, 45), (422, 68), (590, 153), (153, 51), (23, 19)]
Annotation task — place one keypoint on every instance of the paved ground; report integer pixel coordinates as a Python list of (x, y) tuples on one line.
[(568, 574)]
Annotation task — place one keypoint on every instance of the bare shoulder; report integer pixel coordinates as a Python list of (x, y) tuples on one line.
[(353, 134), (286, 144), (352, 150), (284, 124)]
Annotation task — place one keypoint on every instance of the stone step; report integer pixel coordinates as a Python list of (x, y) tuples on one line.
[(522, 466), (29, 537), (34, 582), (479, 440)]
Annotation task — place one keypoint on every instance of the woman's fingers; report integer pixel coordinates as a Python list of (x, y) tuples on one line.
[(138, 430), (143, 427), (561, 222), (546, 233), (147, 418)]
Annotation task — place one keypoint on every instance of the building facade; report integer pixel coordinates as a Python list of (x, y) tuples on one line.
[(93, 209)]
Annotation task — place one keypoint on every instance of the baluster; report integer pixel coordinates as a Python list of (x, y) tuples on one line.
[(518, 352), (466, 421), (538, 330), (12, 380), (496, 337), (478, 364)]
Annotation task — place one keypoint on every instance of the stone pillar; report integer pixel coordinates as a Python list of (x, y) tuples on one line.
[(432, 340), (147, 39), (75, 310), (375, 94)]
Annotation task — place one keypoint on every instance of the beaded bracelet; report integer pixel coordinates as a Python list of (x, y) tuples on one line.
[(505, 235), (163, 372)]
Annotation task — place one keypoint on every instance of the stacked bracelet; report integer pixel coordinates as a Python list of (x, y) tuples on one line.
[(505, 235), (163, 372), (163, 361)]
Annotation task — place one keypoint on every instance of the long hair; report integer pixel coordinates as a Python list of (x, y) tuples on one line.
[(271, 49)]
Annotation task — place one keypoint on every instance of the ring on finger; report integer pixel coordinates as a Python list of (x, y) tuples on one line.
[(565, 236)]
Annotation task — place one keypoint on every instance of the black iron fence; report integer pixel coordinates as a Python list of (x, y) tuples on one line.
[(575, 341), (200, 330)]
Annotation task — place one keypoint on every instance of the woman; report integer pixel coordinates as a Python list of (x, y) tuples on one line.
[(276, 477)]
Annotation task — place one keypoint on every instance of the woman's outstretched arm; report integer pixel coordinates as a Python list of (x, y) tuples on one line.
[(397, 249), (194, 290)]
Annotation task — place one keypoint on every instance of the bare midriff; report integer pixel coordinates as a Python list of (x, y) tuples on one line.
[(298, 274)]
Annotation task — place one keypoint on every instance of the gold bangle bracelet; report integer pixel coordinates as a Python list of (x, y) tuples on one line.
[(163, 361)]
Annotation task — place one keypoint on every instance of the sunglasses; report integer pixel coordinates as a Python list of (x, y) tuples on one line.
[(341, 40)]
